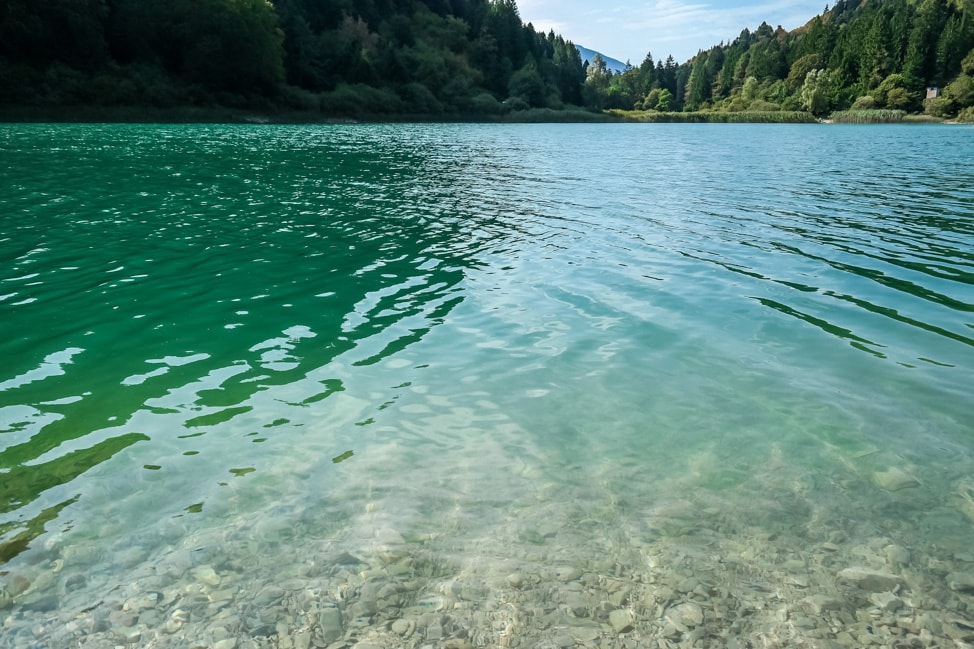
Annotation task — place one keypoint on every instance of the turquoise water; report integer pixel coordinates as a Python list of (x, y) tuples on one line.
[(329, 357)]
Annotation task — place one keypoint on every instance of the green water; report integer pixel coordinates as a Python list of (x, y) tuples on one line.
[(525, 346)]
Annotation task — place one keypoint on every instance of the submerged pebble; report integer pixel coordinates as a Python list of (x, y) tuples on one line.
[(895, 479), (630, 587), (621, 620), (206, 575), (867, 579), (961, 581)]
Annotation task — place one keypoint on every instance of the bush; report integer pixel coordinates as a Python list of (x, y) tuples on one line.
[(961, 91), (735, 105), (866, 102), (65, 85), (486, 104), (900, 98), (359, 99), (938, 106), (343, 100), (650, 100), (417, 98), (966, 115), (762, 106), (300, 99), (18, 83), (155, 87), (114, 90)]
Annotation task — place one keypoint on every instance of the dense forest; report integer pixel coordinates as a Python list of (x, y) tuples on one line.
[(467, 57), (860, 54), (339, 57)]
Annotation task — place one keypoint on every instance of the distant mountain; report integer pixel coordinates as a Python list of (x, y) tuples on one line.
[(589, 55)]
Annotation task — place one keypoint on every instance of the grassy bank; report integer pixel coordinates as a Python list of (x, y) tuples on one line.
[(868, 116), (228, 115), (748, 117)]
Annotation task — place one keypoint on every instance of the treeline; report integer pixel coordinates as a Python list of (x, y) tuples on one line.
[(334, 56), (863, 55), (469, 57)]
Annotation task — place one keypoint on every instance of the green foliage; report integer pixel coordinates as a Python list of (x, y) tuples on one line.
[(449, 57), (526, 84), (888, 51), (749, 92), (350, 100), (665, 101), (485, 104), (900, 99), (815, 94), (700, 117), (865, 116), (961, 91), (224, 45), (329, 55), (762, 106), (801, 68), (41, 33), (889, 84), (939, 106), (597, 77), (700, 83), (650, 101)]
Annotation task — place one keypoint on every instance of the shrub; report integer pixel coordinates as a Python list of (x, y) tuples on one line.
[(938, 106), (18, 83), (65, 85), (300, 99), (900, 98), (343, 100), (762, 106), (417, 98), (961, 91), (866, 102), (486, 104)]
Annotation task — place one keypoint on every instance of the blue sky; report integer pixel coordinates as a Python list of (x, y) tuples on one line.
[(627, 29)]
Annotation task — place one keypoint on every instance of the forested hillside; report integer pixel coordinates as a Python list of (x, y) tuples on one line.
[(466, 57), (339, 56), (861, 54)]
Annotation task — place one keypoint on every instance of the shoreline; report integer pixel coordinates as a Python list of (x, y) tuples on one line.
[(24, 114)]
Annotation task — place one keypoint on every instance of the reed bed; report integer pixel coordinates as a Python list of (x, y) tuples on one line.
[(877, 116), (751, 117)]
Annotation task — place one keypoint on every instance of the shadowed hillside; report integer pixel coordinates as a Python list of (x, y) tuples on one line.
[(466, 57)]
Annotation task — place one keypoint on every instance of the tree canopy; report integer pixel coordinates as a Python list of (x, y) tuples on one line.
[(878, 53), (467, 57)]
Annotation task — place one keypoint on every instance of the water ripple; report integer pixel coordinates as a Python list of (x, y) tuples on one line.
[(200, 301)]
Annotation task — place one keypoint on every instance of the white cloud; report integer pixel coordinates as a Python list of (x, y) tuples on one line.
[(545, 25)]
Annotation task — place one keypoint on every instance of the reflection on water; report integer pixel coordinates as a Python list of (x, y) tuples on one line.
[(188, 310), (486, 386)]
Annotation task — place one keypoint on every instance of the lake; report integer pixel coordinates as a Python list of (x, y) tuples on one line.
[(486, 386)]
